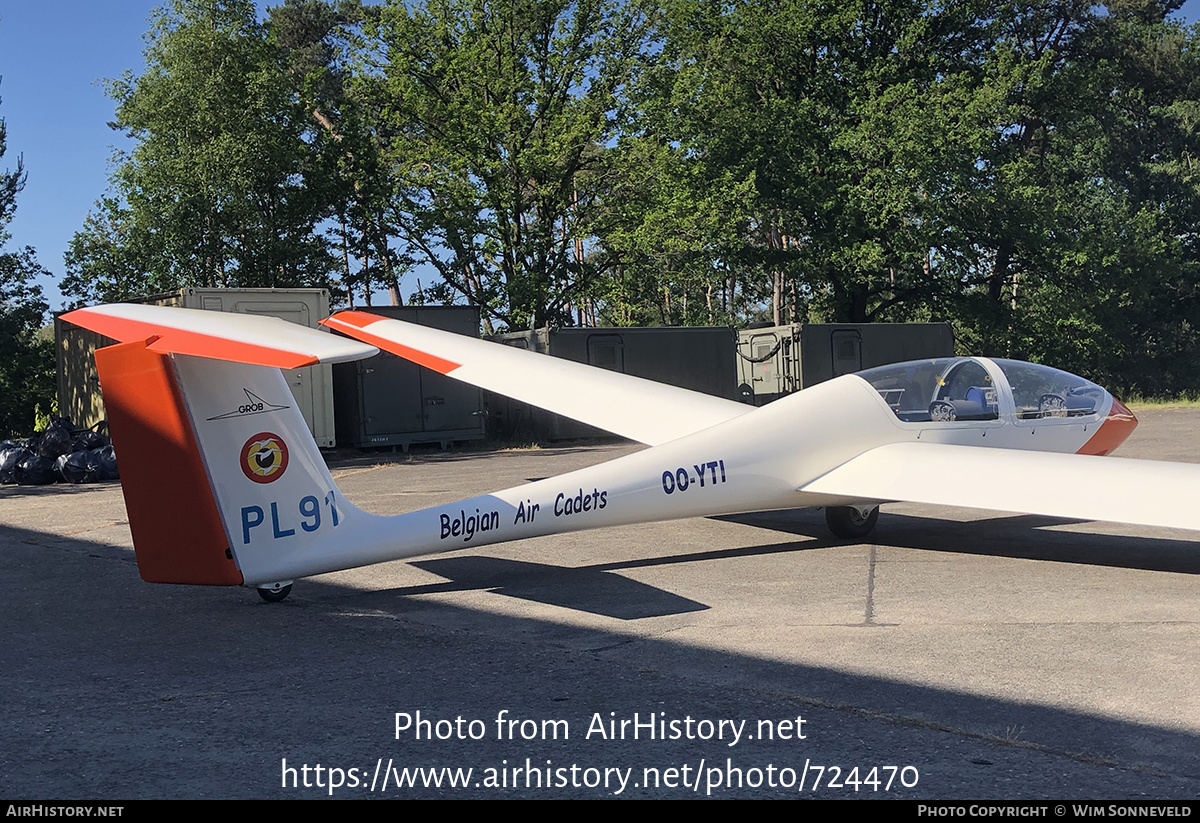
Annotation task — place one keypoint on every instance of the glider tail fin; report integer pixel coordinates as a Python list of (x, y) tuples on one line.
[(223, 482), (178, 533)]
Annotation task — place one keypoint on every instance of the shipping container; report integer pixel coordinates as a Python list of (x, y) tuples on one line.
[(312, 387), (389, 401), (778, 360)]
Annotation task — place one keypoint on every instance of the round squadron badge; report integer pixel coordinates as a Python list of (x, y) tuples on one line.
[(264, 457)]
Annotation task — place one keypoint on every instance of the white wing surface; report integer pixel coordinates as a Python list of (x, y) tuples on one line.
[(240, 338), (641, 410), (1143, 492)]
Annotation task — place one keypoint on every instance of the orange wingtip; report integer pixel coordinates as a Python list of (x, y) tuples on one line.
[(350, 317), (165, 339), (352, 323)]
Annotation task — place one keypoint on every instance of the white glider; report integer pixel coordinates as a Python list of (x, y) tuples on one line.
[(225, 486)]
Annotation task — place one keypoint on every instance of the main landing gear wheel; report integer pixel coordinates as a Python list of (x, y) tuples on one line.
[(850, 521), (275, 593)]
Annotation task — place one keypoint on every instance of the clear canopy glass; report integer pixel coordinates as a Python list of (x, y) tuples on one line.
[(961, 388), (1040, 391)]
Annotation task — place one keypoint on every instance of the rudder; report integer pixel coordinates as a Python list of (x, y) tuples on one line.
[(177, 532)]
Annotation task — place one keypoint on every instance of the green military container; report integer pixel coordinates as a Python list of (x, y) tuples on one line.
[(776, 360)]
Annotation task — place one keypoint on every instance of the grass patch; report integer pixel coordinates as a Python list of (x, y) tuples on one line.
[(1135, 403), (518, 446)]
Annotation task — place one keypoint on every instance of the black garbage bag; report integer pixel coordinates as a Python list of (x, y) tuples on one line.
[(91, 466), (36, 470), (11, 454), (88, 440), (107, 460), (78, 467), (56, 439)]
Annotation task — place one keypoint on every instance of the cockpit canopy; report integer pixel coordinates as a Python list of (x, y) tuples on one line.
[(971, 388)]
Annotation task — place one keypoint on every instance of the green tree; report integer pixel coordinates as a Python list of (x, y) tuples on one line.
[(1025, 170), (111, 258), (495, 119), (314, 38), (26, 363), (1083, 221), (668, 232), (222, 182), (854, 124)]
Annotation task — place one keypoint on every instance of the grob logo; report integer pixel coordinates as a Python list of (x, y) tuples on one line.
[(253, 405)]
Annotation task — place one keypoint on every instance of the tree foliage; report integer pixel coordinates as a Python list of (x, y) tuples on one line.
[(853, 124), (495, 119), (1026, 171), (26, 362), (223, 188), (315, 40), (1081, 211)]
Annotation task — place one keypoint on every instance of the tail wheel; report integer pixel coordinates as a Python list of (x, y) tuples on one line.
[(276, 593), (850, 521)]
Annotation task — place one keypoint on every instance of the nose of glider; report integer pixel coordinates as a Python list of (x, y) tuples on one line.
[(1119, 424)]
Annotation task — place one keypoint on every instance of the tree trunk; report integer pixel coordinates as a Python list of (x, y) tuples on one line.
[(777, 297), (1000, 271)]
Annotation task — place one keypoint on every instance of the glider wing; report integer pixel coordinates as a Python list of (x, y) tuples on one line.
[(632, 407), (1143, 492)]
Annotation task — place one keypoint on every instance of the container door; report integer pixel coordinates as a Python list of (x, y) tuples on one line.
[(391, 397), (606, 351), (847, 352), (764, 352)]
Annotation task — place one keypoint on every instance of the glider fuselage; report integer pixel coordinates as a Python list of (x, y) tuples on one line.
[(201, 414), (759, 461)]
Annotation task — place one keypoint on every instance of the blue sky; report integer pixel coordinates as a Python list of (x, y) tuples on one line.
[(53, 55)]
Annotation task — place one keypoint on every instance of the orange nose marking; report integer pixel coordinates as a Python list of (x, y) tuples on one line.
[(1119, 424)]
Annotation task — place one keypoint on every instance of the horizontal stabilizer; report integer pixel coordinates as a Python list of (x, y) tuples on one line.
[(632, 407), (1143, 492), (241, 338)]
